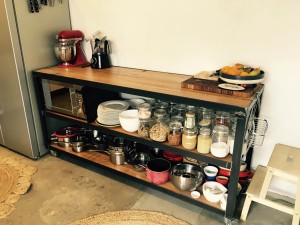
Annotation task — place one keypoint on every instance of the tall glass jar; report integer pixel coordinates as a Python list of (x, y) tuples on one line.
[(163, 105), (189, 138), (219, 147), (144, 111), (175, 134), (144, 127), (204, 140), (206, 120), (190, 120), (159, 129)]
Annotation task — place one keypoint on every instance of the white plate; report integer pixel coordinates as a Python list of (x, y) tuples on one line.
[(242, 81), (232, 87), (114, 105)]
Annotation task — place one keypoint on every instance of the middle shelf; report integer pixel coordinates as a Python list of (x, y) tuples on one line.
[(118, 131)]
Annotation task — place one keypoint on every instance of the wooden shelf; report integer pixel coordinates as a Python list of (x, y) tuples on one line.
[(117, 131), (103, 160)]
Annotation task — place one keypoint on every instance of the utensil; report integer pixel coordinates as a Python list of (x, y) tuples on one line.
[(158, 170), (65, 52)]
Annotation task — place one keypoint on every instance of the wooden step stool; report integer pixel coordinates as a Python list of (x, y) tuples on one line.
[(285, 163)]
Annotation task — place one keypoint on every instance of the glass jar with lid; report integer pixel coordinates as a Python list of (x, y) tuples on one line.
[(144, 111), (175, 133), (219, 146), (144, 127), (204, 140), (177, 118), (222, 118), (179, 110), (190, 120), (189, 138), (159, 128), (163, 105), (206, 120)]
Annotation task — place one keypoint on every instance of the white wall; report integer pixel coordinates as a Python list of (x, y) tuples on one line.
[(194, 35)]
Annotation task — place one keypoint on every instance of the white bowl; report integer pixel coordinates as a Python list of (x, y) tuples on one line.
[(129, 120), (210, 171), (213, 191)]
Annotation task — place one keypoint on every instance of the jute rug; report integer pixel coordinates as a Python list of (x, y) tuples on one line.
[(15, 180), (130, 217)]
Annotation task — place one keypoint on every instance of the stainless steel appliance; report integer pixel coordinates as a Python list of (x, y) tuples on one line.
[(26, 44)]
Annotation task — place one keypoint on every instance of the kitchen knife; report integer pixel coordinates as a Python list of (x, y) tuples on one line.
[(36, 5), (31, 7)]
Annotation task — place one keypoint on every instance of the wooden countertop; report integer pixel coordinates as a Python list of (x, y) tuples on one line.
[(144, 80)]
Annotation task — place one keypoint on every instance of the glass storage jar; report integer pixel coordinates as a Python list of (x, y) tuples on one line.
[(175, 133), (206, 120), (144, 111), (177, 118), (163, 105), (179, 110), (190, 120), (144, 127), (189, 138), (204, 140), (159, 128), (219, 146), (222, 118)]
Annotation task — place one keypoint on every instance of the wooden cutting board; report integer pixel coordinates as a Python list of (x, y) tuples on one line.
[(212, 86)]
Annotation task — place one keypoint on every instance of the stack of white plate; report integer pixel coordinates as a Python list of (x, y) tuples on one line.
[(108, 112)]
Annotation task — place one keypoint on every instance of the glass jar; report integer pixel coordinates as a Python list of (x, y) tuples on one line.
[(144, 111), (190, 120), (163, 105), (179, 110), (190, 108), (159, 130), (206, 120), (144, 127), (219, 147), (175, 134), (204, 140), (222, 118), (177, 118), (189, 138)]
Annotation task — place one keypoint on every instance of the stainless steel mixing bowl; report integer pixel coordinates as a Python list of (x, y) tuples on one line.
[(186, 177), (65, 52)]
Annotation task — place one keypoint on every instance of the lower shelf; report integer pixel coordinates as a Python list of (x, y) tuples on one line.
[(103, 160)]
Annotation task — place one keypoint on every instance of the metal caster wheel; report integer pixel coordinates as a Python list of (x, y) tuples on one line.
[(231, 222), (54, 153)]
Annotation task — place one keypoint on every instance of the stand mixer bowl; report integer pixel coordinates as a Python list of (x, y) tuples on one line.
[(65, 52)]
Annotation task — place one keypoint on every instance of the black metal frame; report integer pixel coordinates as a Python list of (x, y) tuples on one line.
[(243, 115)]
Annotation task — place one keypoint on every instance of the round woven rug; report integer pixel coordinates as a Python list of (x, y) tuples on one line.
[(15, 180), (130, 217)]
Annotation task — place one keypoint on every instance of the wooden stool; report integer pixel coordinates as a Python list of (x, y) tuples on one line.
[(285, 163)]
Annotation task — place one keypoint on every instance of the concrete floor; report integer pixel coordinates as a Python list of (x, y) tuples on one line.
[(65, 189)]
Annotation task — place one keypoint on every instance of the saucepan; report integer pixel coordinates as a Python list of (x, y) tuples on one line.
[(140, 161), (157, 170)]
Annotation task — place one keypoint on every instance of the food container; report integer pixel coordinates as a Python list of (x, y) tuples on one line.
[(186, 177), (159, 130), (210, 173), (213, 191), (219, 146), (189, 138), (144, 110), (204, 140), (179, 110), (144, 127), (190, 120), (222, 180), (222, 118), (158, 170), (175, 134)]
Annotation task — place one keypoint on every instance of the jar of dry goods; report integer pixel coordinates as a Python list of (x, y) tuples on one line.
[(177, 118), (189, 138), (159, 129), (222, 118), (163, 105), (219, 146), (204, 140), (190, 120), (144, 127), (179, 110), (174, 136), (144, 111)]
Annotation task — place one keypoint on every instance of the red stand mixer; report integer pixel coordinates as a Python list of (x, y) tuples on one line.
[(68, 49)]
